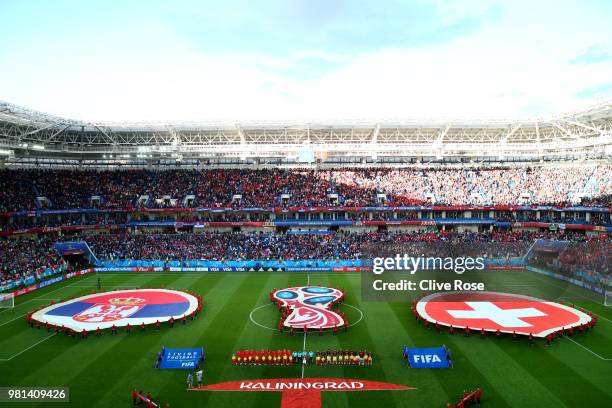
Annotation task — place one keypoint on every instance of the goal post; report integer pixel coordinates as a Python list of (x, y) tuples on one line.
[(7, 301), (607, 298)]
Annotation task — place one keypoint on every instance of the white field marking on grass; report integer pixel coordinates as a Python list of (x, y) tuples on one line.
[(107, 286), (533, 274), (577, 294), (587, 310), (39, 298), (304, 351), (587, 349), (26, 349), (304, 346)]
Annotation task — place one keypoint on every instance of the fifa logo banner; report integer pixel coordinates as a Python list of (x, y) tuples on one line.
[(180, 359), (432, 357), (310, 307)]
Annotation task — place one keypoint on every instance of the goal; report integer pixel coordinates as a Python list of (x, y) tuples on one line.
[(607, 298), (7, 301)]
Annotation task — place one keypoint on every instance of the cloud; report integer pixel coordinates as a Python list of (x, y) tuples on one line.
[(464, 59)]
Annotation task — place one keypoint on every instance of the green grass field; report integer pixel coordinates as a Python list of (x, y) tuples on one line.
[(101, 372)]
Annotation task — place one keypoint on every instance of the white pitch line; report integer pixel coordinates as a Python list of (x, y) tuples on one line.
[(566, 288), (588, 349), (599, 316), (304, 350), (12, 320), (577, 294), (39, 298), (304, 346), (24, 350)]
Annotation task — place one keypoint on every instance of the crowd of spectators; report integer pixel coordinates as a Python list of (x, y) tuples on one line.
[(26, 257), (305, 187), (269, 246), (22, 258)]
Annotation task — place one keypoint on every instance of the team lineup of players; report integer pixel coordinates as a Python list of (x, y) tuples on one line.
[(287, 357)]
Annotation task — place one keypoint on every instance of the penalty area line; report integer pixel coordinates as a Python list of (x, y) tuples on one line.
[(48, 293), (588, 349), (26, 349)]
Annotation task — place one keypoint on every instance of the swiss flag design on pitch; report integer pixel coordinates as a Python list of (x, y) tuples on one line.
[(494, 311)]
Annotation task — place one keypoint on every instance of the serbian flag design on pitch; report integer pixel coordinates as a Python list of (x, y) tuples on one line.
[(493, 311), (119, 308)]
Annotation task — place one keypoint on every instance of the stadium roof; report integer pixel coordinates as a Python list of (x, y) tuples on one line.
[(27, 135)]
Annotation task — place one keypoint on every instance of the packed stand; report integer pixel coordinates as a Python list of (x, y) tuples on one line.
[(266, 246), (25, 258), (306, 187)]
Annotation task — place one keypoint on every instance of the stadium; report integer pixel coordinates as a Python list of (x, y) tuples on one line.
[(306, 263)]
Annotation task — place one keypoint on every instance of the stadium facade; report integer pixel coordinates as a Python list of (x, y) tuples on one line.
[(28, 137)]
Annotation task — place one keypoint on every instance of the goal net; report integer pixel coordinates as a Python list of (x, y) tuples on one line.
[(7, 301)]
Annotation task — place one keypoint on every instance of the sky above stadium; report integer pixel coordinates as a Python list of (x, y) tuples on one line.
[(305, 59)]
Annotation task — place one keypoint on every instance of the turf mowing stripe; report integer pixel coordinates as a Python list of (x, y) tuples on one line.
[(13, 341), (30, 369), (164, 383), (360, 337), (252, 336), (508, 374), (275, 339), (450, 381), (247, 336), (56, 348), (110, 354), (562, 381), (28, 348), (587, 349), (431, 384), (224, 337), (41, 293)]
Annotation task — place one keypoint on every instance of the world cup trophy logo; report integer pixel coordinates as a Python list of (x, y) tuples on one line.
[(310, 307)]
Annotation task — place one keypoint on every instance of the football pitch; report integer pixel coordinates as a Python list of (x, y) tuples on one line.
[(103, 371)]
